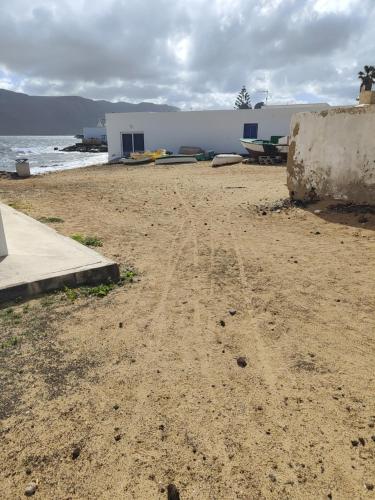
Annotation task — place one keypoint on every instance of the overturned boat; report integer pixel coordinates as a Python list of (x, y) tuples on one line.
[(226, 159), (172, 159)]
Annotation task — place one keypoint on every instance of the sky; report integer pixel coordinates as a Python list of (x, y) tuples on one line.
[(194, 54)]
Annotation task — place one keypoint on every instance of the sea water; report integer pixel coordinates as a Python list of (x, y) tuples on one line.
[(41, 153)]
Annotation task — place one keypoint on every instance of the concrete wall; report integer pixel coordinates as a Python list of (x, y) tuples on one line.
[(3, 243), (217, 130), (332, 155)]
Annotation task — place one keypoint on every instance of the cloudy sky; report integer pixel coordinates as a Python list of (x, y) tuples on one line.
[(194, 54)]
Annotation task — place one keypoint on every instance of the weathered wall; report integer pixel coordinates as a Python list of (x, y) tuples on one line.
[(332, 155), (218, 130)]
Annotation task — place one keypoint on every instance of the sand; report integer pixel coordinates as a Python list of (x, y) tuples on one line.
[(117, 397)]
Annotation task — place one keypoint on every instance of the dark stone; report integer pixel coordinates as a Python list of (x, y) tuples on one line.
[(362, 441), (369, 486), (28, 471), (116, 407), (222, 323), (317, 232), (173, 493), (354, 442), (117, 437), (76, 452), (121, 324), (232, 312), (241, 361)]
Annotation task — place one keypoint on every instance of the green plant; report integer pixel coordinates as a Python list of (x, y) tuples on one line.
[(45, 220), (127, 276), (71, 293), (98, 291), (8, 316), (11, 342), (89, 241)]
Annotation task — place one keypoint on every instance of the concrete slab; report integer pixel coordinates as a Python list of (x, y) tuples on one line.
[(40, 260)]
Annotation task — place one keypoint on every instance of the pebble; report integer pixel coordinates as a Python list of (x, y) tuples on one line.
[(117, 437), (222, 323), (116, 407), (232, 312), (173, 493), (76, 453), (241, 361), (354, 442), (31, 489), (121, 324), (369, 486), (317, 211)]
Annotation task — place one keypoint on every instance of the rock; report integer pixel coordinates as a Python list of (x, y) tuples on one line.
[(232, 312), (173, 493), (31, 489), (116, 407), (369, 486), (354, 442), (76, 452), (362, 441), (373, 437), (121, 324), (272, 477), (317, 232), (264, 213), (28, 471), (222, 323), (117, 437), (241, 361)]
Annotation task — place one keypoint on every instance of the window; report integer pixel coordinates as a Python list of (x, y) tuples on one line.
[(250, 131)]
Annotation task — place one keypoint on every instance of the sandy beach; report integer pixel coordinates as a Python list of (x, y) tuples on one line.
[(117, 397)]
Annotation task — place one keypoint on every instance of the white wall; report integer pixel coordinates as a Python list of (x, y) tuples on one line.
[(94, 132), (217, 130), (332, 155)]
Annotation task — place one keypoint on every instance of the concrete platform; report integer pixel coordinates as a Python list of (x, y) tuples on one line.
[(42, 260)]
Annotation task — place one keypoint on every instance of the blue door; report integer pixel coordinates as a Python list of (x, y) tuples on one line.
[(127, 143), (250, 131)]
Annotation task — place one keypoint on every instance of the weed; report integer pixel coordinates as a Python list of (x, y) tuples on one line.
[(98, 291), (128, 275), (71, 294), (8, 316), (45, 220), (11, 342), (89, 241)]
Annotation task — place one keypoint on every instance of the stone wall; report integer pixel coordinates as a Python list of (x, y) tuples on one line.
[(332, 155)]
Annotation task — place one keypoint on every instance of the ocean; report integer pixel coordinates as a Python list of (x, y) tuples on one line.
[(41, 154)]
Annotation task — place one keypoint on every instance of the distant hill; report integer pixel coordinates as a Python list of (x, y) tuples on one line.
[(22, 114)]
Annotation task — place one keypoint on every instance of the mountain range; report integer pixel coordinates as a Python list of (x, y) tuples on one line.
[(22, 114)]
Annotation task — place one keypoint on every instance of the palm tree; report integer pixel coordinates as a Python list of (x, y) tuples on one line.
[(243, 100), (367, 77)]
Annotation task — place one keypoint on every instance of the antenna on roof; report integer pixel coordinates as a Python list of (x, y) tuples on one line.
[(266, 92)]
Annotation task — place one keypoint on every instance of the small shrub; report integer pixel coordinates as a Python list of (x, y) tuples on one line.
[(45, 220), (98, 291), (89, 241)]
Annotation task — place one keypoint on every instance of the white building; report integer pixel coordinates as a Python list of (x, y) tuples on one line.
[(98, 133), (211, 130)]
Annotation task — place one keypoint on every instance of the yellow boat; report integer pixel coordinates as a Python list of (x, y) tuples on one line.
[(149, 154)]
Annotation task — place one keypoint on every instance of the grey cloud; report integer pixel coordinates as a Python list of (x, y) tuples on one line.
[(122, 49)]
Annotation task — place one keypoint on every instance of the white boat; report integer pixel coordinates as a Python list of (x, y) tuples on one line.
[(257, 147), (170, 159), (226, 159)]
